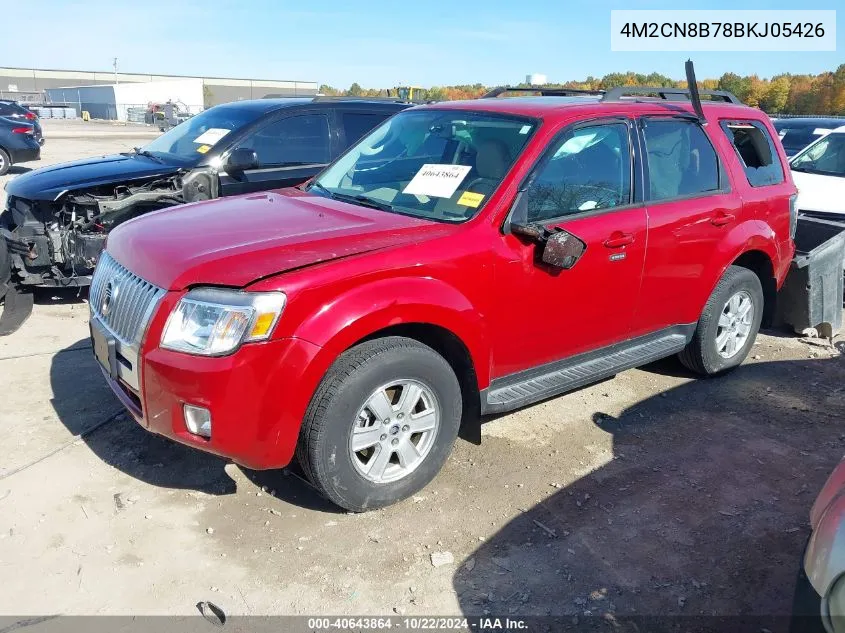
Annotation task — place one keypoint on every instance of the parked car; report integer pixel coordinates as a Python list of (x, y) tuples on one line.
[(20, 142), (463, 258), (57, 217), (824, 559), (21, 137), (819, 174), (13, 110), (798, 132)]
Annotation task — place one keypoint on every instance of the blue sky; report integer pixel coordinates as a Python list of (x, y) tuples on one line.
[(377, 44)]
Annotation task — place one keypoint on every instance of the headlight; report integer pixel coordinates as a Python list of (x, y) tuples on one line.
[(214, 321)]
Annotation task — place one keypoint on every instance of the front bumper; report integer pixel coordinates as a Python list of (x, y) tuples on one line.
[(257, 397)]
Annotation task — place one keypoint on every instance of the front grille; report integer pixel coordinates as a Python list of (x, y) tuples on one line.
[(122, 300)]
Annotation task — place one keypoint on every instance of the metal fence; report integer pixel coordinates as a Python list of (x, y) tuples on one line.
[(807, 116)]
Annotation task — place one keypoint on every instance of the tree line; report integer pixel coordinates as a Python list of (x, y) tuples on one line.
[(782, 94)]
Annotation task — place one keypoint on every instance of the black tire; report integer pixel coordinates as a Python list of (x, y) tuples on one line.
[(701, 355), (5, 162), (323, 448)]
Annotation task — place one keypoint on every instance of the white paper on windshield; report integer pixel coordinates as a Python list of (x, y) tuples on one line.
[(211, 136), (437, 181), (821, 131)]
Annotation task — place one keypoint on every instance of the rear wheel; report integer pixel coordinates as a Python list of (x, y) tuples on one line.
[(5, 162), (728, 325), (381, 424)]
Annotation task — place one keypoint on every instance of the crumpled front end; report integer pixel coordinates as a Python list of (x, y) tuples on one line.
[(57, 243)]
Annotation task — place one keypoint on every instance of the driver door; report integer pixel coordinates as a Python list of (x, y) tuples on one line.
[(290, 150), (584, 184)]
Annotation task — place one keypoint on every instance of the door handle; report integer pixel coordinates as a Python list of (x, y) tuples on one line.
[(619, 239), (722, 218)]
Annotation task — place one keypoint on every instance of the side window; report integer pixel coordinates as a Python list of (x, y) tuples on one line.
[(296, 140), (589, 168), (356, 124), (756, 150), (681, 160), (6, 109)]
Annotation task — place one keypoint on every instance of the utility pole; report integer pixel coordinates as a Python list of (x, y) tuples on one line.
[(115, 69)]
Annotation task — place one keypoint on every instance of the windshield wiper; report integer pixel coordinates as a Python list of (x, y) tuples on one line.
[(360, 199), (143, 152), (319, 187), (364, 201)]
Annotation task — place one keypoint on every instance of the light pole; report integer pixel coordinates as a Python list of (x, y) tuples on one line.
[(114, 64)]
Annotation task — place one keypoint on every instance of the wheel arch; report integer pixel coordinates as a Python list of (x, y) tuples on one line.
[(428, 310), (751, 246), (761, 265)]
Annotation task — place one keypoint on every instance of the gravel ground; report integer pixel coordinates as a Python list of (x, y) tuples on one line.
[(650, 493)]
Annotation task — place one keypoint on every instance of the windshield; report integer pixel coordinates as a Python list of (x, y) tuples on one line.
[(825, 156), (195, 137), (437, 164)]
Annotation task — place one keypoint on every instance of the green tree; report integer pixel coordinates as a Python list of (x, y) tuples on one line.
[(355, 90), (776, 95), (732, 82)]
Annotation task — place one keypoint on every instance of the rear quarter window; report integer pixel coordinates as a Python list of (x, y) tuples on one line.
[(756, 151)]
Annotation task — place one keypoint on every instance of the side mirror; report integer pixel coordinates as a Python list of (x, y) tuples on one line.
[(558, 248), (240, 160), (563, 250)]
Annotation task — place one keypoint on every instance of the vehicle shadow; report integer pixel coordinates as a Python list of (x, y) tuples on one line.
[(88, 409), (15, 170), (291, 486), (701, 511), (60, 296)]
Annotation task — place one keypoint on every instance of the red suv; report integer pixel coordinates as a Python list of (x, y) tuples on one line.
[(462, 259)]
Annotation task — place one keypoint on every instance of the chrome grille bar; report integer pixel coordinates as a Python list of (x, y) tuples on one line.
[(121, 300)]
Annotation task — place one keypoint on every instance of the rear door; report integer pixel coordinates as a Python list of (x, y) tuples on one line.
[(690, 209), (584, 185), (290, 149)]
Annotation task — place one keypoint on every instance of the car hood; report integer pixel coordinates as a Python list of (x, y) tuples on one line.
[(816, 192), (48, 183), (235, 241)]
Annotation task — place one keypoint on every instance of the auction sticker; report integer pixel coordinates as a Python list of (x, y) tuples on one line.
[(470, 199), (211, 136), (438, 181)]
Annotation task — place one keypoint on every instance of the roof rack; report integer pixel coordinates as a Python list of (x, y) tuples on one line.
[(669, 94), (359, 98), (335, 98), (545, 92)]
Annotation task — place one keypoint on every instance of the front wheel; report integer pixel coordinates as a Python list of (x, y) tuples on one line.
[(381, 424), (728, 325)]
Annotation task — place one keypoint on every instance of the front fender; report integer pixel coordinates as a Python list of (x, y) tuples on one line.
[(362, 310)]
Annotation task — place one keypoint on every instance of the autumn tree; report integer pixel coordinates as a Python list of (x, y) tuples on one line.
[(782, 94), (776, 95)]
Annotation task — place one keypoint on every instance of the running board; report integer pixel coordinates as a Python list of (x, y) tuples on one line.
[(526, 387)]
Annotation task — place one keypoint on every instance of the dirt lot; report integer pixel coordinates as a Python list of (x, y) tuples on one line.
[(646, 494)]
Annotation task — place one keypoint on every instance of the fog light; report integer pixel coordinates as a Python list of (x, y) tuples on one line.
[(198, 420)]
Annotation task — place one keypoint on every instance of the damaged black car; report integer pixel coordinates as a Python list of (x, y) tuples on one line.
[(57, 218)]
